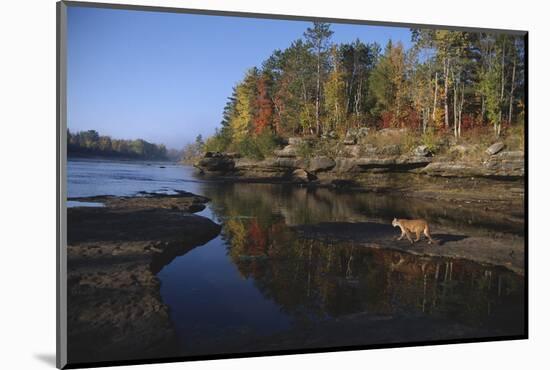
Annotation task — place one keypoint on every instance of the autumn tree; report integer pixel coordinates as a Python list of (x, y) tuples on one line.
[(245, 95), (388, 83), (263, 105), (335, 95)]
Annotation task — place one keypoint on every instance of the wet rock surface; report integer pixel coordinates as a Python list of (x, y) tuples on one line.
[(115, 311)]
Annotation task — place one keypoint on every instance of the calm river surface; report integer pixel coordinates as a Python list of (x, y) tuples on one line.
[(259, 284)]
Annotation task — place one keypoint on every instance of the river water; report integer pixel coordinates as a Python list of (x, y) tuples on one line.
[(261, 284)]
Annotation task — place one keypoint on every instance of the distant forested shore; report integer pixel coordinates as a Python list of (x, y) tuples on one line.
[(91, 144)]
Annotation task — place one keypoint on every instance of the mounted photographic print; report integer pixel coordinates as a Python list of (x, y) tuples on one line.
[(234, 184)]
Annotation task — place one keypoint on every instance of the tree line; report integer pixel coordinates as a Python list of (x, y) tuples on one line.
[(447, 81), (91, 143)]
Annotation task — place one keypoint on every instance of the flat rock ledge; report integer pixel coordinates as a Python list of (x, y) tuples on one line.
[(506, 251), (502, 165), (115, 311)]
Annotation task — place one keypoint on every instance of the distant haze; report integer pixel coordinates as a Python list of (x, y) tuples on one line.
[(166, 77)]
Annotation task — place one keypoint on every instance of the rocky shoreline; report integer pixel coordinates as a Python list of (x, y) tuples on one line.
[(115, 311), (493, 186), (385, 168)]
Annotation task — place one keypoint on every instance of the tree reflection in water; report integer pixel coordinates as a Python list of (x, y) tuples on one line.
[(319, 279), (299, 290)]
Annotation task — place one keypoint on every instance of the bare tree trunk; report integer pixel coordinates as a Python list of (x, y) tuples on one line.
[(279, 121), (350, 87), (455, 97), (435, 98), (446, 71), (501, 87), (358, 97), (318, 92), (455, 113), (512, 92), (461, 106), (304, 96)]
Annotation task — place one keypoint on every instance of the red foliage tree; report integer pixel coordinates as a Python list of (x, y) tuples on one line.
[(264, 115)]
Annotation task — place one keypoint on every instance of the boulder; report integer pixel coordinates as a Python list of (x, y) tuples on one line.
[(422, 151), (322, 163), (362, 132), (287, 151), (346, 165), (390, 150), (301, 175), (351, 151), (295, 141), (216, 163), (350, 138), (495, 148), (288, 162)]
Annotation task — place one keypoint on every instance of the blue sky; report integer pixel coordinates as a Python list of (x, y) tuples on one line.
[(165, 77)]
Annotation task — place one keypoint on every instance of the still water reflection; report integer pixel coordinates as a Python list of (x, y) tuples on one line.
[(262, 285), (261, 281)]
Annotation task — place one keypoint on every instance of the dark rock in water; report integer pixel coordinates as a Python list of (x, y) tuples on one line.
[(323, 163), (115, 311), (495, 148), (162, 166)]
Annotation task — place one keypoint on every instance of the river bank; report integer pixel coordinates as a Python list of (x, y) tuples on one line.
[(115, 311), (468, 173), (482, 190)]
